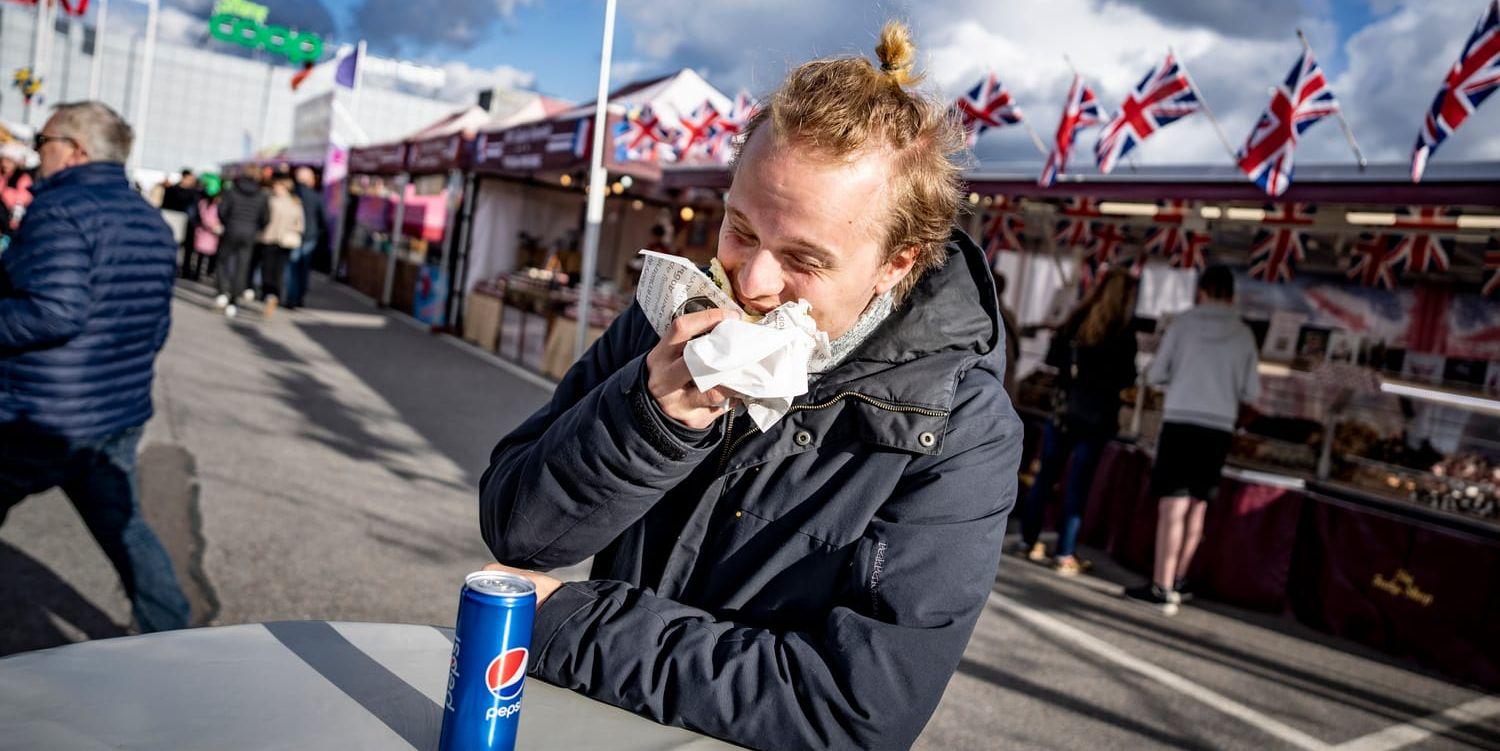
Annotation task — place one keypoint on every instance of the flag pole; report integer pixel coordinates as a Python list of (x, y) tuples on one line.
[(1035, 139), (1219, 129), (1339, 112), (597, 180)]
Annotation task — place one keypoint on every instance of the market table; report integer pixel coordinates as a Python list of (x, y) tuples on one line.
[(292, 684)]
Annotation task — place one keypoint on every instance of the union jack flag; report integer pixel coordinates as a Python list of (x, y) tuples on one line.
[(1418, 251), (696, 129), (987, 105), (1183, 248), (1173, 210), (1492, 264), (1471, 80), (1003, 232), (1273, 253), (642, 137), (1077, 228), (1373, 262), (1303, 99), (1163, 96), (729, 126), (1108, 237), (1081, 111)]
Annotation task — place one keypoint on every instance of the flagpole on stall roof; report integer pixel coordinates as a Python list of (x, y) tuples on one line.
[(1036, 139), (597, 180), (1339, 112), (1219, 129), (96, 68)]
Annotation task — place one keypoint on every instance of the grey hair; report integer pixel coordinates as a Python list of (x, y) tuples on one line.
[(100, 130)]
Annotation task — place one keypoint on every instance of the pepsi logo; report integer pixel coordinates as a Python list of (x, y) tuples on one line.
[(506, 673)]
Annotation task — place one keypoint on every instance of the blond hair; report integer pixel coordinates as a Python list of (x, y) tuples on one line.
[(845, 107), (1106, 310)]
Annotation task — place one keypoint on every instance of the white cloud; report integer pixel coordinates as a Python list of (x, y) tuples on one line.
[(464, 81)]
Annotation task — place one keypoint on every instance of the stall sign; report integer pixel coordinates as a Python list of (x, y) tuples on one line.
[(244, 23), (551, 145), (434, 155), (378, 160)]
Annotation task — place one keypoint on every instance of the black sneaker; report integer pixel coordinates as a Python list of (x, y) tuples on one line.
[(1184, 590), (1150, 594)]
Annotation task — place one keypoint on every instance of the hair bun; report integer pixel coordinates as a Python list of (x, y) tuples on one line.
[(896, 52)]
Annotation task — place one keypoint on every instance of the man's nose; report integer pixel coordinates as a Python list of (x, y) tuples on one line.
[(760, 277)]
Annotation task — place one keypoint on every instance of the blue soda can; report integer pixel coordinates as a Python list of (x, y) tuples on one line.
[(491, 649)]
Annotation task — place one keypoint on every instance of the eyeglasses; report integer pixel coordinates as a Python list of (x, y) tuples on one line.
[(41, 139)]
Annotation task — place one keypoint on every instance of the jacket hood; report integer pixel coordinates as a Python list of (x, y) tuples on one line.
[(246, 185)]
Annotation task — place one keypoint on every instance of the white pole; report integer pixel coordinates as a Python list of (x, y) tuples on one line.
[(143, 101), (36, 55), (597, 178), (262, 145), (96, 69)]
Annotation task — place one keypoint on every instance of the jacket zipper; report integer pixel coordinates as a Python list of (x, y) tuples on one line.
[(731, 445)]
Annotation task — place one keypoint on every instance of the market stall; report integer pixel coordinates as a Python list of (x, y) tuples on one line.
[(1363, 492), (376, 184), (523, 254)]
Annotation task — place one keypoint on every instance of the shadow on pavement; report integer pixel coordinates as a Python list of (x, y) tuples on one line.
[(32, 596)]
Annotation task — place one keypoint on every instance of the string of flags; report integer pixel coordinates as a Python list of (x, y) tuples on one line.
[(1167, 93), (704, 134)]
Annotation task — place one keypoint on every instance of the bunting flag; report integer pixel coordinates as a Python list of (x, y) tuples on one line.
[(1273, 253), (1373, 262), (642, 137), (1003, 232), (1081, 111), (1183, 249), (1107, 239), (696, 130), (1173, 210), (1276, 250), (1076, 229), (1420, 250), (1492, 264), (1301, 100), (1469, 82), (727, 129), (301, 76), (987, 105), (1161, 98)]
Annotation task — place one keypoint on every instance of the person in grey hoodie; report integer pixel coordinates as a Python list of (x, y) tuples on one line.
[(1207, 362)]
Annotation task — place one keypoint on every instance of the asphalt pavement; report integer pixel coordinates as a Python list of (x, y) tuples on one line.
[(323, 464)]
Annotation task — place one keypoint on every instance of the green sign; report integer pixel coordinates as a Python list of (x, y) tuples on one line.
[(244, 23)]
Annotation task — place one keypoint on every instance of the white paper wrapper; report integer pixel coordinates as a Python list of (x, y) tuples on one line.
[(764, 363)]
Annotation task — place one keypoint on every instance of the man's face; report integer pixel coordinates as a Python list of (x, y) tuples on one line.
[(189, 181), (58, 150), (305, 176), (803, 226)]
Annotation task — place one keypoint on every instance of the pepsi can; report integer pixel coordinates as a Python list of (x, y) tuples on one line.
[(491, 650)]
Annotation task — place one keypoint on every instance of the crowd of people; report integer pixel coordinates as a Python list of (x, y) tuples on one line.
[(255, 236)]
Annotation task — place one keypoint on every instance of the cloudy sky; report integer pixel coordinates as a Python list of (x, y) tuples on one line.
[(1385, 57)]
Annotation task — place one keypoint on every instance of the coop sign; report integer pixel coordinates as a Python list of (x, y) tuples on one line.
[(244, 23)]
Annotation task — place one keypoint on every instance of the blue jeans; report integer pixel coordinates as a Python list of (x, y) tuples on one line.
[(1057, 446), (99, 477), (298, 269)]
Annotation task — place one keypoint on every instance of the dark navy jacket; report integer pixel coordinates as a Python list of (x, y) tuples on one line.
[(813, 586), (85, 303)]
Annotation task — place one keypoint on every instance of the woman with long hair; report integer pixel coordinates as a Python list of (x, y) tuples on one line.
[(1094, 354)]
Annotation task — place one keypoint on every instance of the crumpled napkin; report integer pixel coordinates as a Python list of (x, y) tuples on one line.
[(765, 363)]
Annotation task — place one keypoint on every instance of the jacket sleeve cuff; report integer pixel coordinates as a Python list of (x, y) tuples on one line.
[(673, 439), (567, 603)]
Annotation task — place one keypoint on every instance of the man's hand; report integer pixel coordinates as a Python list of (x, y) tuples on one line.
[(668, 379), (545, 585)]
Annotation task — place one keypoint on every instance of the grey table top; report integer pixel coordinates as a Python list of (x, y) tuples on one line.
[(288, 685)]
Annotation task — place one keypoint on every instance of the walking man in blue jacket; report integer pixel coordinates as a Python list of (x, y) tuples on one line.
[(814, 584), (85, 302)]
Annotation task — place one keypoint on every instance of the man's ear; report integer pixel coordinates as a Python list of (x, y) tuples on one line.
[(895, 269)]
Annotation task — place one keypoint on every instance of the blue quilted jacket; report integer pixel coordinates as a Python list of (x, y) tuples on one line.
[(85, 303)]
